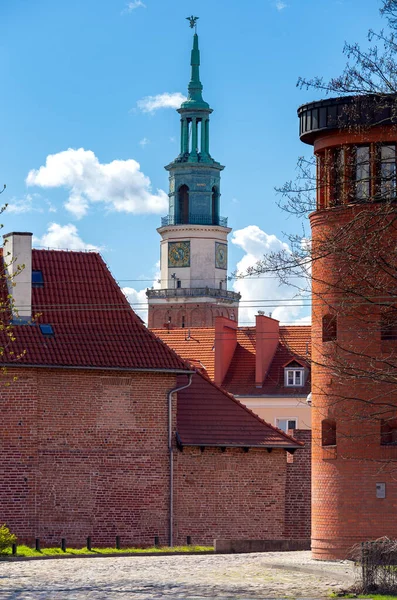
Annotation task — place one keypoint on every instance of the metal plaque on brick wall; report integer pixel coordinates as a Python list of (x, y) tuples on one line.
[(381, 490)]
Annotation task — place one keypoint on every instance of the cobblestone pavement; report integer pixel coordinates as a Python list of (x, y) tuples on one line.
[(227, 577)]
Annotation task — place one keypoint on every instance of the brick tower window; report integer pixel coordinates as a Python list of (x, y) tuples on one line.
[(353, 173), (330, 328), (388, 432), (388, 325), (387, 158), (363, 173), (328, 432)]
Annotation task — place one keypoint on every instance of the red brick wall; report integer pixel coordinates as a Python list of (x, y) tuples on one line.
[(85, 453), (345, 509), (202, 314), (298, 489), (229, 495)]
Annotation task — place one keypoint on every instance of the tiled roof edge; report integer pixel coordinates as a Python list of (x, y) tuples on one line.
[(262, 446), (181, 371)]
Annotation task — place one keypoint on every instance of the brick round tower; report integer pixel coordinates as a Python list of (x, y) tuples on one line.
[(354, 332)]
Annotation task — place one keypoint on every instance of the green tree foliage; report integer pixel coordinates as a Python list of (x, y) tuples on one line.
[(7, 539)]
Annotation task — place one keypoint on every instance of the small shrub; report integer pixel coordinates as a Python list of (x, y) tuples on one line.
[(7, 539)]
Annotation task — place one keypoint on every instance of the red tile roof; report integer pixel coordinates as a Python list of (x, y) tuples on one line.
[(240, 378), (197, 345), (209, 416), (93, 323), (194, 344)]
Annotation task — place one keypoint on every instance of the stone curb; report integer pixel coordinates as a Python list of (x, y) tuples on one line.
[(119, 554)]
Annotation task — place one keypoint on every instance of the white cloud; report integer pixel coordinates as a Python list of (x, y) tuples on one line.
[(144, 142), (150, 104), (280, 5), (119, 185), (255, 291), (138, 299), (62, 237), (24, 205), (130, 6)]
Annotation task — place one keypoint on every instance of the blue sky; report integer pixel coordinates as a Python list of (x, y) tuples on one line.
[(77, 75)]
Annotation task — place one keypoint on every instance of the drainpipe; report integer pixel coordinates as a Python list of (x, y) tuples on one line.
[(171, 454)]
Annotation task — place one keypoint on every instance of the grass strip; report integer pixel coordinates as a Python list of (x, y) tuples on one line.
[(27, 551)]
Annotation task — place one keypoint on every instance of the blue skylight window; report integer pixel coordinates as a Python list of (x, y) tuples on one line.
[(46, 329), (37, 279)]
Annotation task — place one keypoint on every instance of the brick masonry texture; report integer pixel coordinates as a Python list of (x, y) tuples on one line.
[(298, 489), (345, 507), (84, 453), (230, 494)]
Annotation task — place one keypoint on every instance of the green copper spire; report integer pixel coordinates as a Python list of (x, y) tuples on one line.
[(195, 88)]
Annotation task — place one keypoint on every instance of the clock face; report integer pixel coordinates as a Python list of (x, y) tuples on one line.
[(220, 255), (179, 254)]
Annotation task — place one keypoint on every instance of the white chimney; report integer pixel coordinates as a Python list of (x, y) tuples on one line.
[(17, 254)]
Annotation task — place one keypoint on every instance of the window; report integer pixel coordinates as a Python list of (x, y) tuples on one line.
[(388, 171), (37, 279), (363, 173), (329, 328), (388, 325), (46, 329), (215, 206), (285, 424), (356, 174), (328, 432), (294, 377), (388, 432), (183, 200), (338, 176), (178, 283)]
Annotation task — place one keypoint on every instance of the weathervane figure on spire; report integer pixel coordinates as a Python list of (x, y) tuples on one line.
[(193, 22)]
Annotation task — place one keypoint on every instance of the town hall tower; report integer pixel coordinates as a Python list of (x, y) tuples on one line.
[(193, 247)]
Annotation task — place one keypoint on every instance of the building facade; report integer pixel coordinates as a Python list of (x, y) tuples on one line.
[(99, 439), (354, 330), (194, 237)]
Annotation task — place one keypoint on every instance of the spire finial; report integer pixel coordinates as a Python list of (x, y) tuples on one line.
[(193, 22), (195, 88)]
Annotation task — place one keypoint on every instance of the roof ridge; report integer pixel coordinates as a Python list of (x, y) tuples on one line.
[(65, 250)]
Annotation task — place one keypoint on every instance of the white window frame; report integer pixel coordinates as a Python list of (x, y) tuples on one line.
[(294, 370), (277, 419)]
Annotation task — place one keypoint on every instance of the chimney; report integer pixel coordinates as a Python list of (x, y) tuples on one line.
[(225, 345), (17, 254), (267, 338)]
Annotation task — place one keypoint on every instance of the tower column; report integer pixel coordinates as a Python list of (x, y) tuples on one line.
[(207, 136), (182, 135), (203, 136), (193, 153), (185, 136)]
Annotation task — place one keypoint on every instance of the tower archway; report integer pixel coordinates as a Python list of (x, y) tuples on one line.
[(215, 205), (183, 204)]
